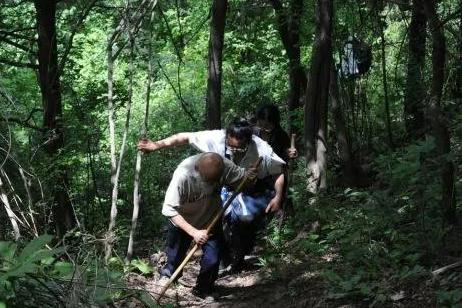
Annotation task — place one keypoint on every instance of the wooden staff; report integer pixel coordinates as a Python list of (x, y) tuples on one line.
[(292, 142), (209, 228), (287, 183)]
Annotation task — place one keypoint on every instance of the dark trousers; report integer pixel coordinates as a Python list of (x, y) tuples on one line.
[(242, 226), (240, 237), (178, 243)]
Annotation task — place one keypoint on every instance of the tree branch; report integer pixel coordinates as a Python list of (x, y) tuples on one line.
[(183, 103), (14, 44), (23, 124), (170, 33), (14, 33), (138, 17), (19, 64), (74, 31)]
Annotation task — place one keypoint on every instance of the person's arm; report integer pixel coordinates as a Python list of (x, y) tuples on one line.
[(233, 174), (171, 206), (275, 203), (199, 236), (147, 146)]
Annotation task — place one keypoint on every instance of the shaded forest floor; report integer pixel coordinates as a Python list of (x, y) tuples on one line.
[(295, 281), (373, 247)]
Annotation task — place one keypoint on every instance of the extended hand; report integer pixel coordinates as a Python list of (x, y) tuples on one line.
[(292, 153), (274, 205), (146, 146), (200, 237)]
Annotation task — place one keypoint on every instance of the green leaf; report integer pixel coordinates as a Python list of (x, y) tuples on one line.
[(457, 295), (48, 261), (142, 266), (313, 236), (7, 250), (63, 269), (147, 300), (20, 270), (34, 245), (39, 255)]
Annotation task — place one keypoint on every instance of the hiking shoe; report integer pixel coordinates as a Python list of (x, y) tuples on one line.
[(164, 272), (204, 293), (237, 267), (223, 271)]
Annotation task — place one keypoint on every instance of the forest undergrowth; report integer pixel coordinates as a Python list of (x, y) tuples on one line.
[(378, 246)]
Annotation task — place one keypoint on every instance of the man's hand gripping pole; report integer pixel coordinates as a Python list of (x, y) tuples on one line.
[(209, 228)]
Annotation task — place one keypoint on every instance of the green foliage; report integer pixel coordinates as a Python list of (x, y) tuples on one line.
[(142, 266), (36, 275), (136, 265), (16, 265), (451, 298), (376, 238)]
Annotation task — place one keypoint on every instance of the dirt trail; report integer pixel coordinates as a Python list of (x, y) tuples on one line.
[(256, 286)]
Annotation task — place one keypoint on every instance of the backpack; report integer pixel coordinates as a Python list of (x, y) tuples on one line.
[(356, 58)]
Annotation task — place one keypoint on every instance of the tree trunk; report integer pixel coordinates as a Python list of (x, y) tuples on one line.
[(381, 29), (144, 128), (63, 212), (110, 99), (457, 89), (343, 142), (115, 173), (317, 94), (27, 185), (215, 57), (289, 31), (415, 88), (438, 121), (12, 217)]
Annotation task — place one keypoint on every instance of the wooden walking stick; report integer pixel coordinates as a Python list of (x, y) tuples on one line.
[(285, 205), (209, 228)]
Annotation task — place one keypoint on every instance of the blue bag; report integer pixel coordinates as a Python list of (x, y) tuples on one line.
[(244, 207)]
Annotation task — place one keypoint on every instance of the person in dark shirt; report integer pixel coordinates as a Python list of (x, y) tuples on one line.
[(268, 127)]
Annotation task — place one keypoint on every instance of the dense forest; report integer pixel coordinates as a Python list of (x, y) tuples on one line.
[(370, 89)]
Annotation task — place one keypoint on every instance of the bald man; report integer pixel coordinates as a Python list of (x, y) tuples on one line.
[(191, 201)]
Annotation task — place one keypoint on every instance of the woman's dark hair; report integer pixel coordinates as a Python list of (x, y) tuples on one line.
[(240, 129), (269, 113)]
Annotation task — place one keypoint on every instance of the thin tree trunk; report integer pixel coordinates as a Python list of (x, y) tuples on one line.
[(317, 94), (457, 89), (115, 178), (9, 211), (110, 98), (289, 32), (63, 212), (144, 128), (415, 89), (27, 185), (440, 129), (384, 79), (343, 141), (215, 58)]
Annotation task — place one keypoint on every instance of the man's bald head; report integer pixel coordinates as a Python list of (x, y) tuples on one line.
[(210, 166)]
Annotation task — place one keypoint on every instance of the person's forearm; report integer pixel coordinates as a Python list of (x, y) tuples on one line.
[(174, 140), (279, 186), (181, 223)]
